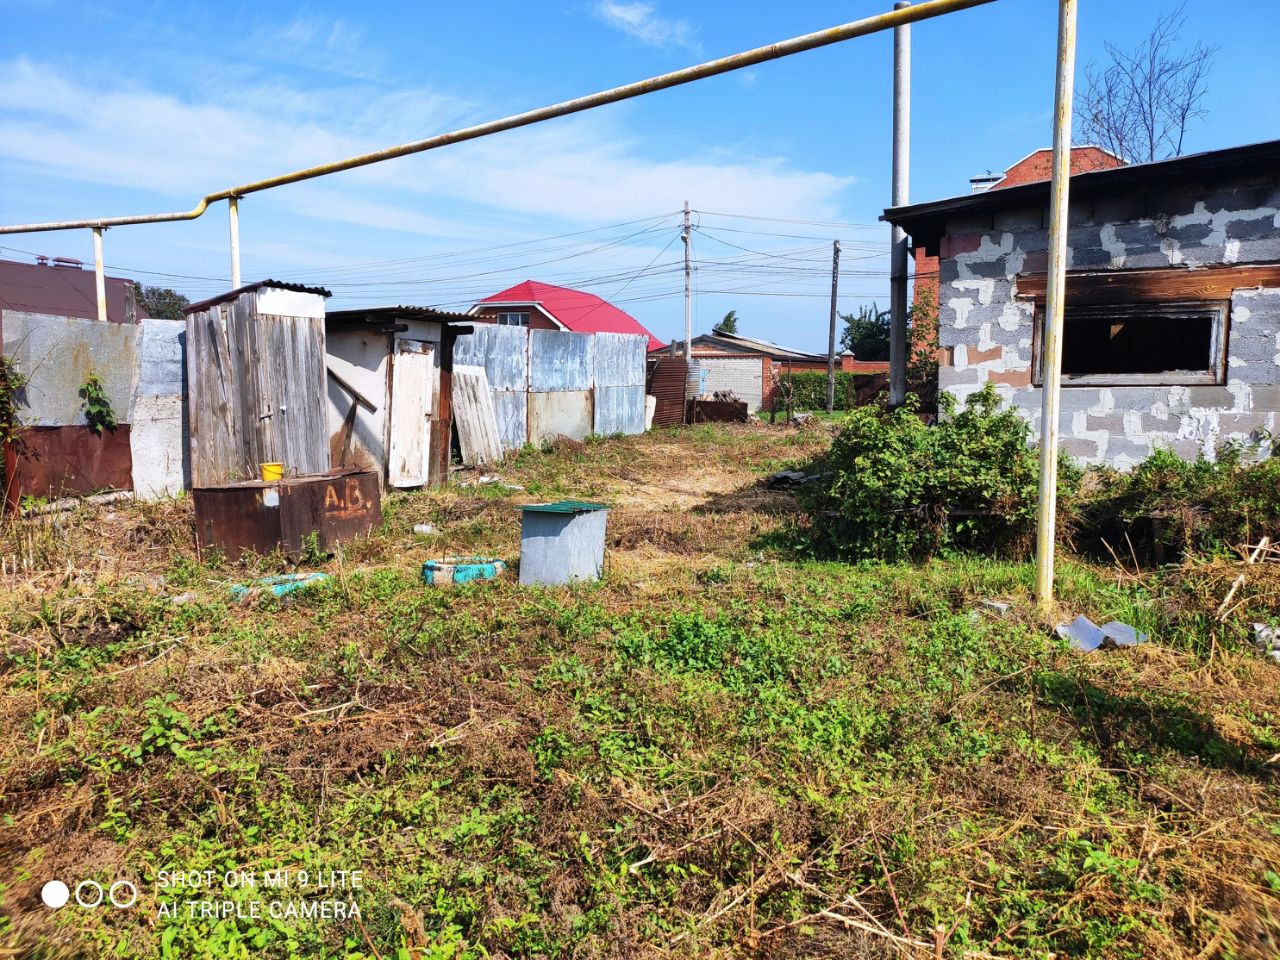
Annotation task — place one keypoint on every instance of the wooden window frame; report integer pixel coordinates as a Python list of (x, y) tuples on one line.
[(1215, 373), (1152, 289)]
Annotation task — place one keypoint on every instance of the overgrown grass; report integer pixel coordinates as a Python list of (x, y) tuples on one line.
[(720, 750)]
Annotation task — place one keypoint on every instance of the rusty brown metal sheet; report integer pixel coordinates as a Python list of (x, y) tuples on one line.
[(64, 292), (337, 507), (68, 461), (717, 411), (666, 381)]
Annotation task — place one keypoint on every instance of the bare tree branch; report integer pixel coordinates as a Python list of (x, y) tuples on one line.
[(1139, 107)]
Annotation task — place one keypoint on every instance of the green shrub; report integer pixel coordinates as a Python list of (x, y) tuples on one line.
[(897, 488), (809, 389), (1168, 506)]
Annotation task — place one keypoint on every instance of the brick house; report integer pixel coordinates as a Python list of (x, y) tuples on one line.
[(752, 368), (1034, 167), (544, 306), (1172, 327)]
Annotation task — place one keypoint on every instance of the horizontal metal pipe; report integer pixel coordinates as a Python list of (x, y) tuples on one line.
[(785, 48)]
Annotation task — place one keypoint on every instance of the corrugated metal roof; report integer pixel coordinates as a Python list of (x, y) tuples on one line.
[(400, 312), (925, 221), (276, 284), (63, 292), (732, 341), (578, 311)]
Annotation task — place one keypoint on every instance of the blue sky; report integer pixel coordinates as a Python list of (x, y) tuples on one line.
[(114, 108)]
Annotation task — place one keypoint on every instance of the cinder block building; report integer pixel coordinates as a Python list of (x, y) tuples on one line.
[(1172, 329)]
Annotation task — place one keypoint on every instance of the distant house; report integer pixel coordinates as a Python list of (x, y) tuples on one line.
[(1172, 328), (49, 326), (543, 306), (751, 368)]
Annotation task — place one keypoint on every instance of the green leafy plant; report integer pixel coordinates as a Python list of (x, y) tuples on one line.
[(97, 405), (1168, 506), (897, 488), (12, 380)]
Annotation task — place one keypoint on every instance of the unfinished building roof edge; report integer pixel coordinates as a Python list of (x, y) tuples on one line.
[(232, 294), (924, 221)]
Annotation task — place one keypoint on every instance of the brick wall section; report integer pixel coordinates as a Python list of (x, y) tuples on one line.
[(987, 330), (1039, 166)]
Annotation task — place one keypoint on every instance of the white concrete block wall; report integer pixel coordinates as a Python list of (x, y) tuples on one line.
[(743, 377)]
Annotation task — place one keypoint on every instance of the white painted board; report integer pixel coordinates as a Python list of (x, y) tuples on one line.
[(474, 416)]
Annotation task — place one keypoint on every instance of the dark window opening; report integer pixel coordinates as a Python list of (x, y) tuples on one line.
[(1142, 343)]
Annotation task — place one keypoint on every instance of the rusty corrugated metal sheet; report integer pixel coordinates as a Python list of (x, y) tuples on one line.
[(262, 517), (64, 292), (68, 461), (666, 382)]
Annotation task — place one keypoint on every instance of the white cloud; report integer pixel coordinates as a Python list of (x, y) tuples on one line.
[(642, 22), (584, 170), (316, 43)]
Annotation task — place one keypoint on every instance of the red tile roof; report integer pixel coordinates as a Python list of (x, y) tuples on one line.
[(575, 310)]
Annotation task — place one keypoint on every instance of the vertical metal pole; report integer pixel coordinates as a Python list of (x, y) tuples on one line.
[(688, 297), (99, 278), (831, 332), (233, 220), (1055, 301), (901, 180)]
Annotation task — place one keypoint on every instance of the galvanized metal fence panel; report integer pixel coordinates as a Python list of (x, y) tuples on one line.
[(548, 383), (559, 413), (511, 407), (503, 352), (619, 409), (620, 359), (560, 361)]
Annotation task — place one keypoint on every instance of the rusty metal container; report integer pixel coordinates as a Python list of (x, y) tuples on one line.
[(337, 506)]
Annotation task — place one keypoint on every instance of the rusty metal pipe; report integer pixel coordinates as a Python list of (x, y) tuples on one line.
[(1055, 303), (737, 61)]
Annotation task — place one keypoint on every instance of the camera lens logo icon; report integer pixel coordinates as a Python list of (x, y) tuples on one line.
[(54, 894), (89, 893)]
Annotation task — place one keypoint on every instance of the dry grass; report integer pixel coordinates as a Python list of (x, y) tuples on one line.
[(720, 750)]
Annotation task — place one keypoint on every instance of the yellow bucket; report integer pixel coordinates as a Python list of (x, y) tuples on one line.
[(271, 472)]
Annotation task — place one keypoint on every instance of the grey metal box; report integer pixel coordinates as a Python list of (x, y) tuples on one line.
[(562, 542)]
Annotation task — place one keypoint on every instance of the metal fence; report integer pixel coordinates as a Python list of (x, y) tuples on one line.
[(552, 383)]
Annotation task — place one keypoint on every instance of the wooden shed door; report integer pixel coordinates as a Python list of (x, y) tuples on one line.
[(412, 388)]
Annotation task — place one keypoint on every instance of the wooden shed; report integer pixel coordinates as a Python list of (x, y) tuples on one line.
[(256, 379), (389, 391)]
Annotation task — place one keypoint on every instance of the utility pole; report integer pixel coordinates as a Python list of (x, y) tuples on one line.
[(1055, 301), (831, 333), (901, 177), (688, 289)]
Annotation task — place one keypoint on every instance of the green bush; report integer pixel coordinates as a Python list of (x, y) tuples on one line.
[(896, 488), (1168, 506), (809, 389)]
